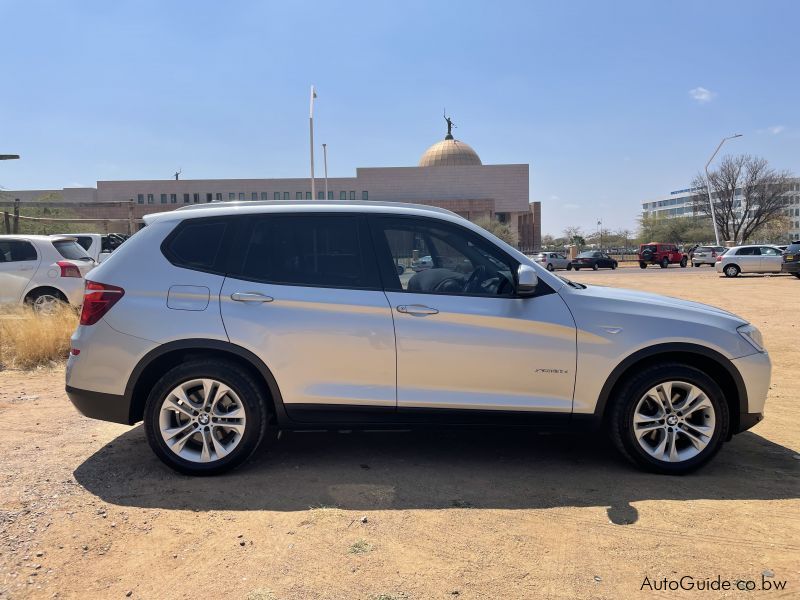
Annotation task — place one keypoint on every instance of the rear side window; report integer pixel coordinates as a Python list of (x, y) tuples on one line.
[(16, 251), (748, 252), (310, 250), (70, 250), (197, 244)]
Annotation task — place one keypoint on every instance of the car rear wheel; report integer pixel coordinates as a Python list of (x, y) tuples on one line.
[(549, 266), (664, 263), (683, 262), (595, 267), (696, 264), (669, 418), (642, 265), (569, 267), (205, 417), (731, 270), (46, 302), (613, 266)]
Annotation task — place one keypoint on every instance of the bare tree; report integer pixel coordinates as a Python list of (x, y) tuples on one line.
[(747, 195), (574, 235)]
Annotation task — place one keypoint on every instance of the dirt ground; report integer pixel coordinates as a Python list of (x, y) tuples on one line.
[(87, 511)]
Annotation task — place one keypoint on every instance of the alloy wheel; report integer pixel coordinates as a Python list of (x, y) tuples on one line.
[(674, 421), (202, 420), (46, 304)]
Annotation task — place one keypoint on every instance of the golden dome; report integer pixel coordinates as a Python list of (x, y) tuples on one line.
[(449, 153)]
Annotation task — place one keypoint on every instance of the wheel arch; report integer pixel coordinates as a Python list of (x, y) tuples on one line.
[(159, 360), (716, 365), (44, 288)]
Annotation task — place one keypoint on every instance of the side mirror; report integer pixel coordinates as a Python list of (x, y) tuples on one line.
[(527, 280)]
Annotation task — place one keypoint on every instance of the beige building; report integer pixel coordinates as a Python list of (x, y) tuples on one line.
[(449, 175)]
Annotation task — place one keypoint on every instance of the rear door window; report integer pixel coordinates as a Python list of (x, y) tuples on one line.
[(749, 251), (16, 251), (314, 250)]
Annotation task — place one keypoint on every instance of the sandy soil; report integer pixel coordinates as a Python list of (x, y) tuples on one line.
[(87, 511)]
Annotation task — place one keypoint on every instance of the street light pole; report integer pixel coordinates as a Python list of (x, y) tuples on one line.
[(311, 136), (325, 157), (600, 233), (708, 185)]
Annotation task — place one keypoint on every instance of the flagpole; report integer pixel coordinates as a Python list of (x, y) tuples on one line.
[(325, 156), (311, 135)]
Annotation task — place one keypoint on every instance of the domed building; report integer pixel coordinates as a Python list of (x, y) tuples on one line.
[(450, 175), (449, 153)]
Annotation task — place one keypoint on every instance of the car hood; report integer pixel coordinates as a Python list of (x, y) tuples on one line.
[(655, 304)]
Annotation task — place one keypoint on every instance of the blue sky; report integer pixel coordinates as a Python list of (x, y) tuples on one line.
[(610, 103)]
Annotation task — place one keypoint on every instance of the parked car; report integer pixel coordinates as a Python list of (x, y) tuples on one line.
[(42, 271), (593, 259), (791, 259), (218, 325), (750, 259), (662, 255), (553, 260), (99, 246), (706, 255)]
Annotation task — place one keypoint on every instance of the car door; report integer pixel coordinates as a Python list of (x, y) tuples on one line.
[(303, 294), (749, 259), (18, 263), (464, 339), (771, 259)]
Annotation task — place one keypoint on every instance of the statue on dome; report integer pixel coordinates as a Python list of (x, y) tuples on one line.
[(450, 126)]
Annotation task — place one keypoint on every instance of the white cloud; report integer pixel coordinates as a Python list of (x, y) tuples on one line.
[(776, 129), (571, 206), (554, 197), (701, 94)]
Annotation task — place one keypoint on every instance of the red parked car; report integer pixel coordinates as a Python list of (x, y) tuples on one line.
[(662, 255)]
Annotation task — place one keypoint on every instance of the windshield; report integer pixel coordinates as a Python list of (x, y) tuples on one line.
[(570, 283), (793, 249), (71, 250)]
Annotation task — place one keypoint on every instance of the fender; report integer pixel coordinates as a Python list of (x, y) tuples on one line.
[(672, 348), (207, 344)]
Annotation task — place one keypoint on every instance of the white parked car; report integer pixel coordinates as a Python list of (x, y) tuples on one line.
[(42, 271), (706, 255), (553, 260), (750, 259)]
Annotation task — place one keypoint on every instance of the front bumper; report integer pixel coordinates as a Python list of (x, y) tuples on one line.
[(97, 405)]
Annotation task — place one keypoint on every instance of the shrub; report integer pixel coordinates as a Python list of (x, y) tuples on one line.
[(29, 340)]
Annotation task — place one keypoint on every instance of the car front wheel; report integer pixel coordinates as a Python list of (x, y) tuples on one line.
[(683, 262), (549, 266), (669, 418), (642, 265), (731, 271), (569, 267), (205, 417), (595, 267), (664, 263)]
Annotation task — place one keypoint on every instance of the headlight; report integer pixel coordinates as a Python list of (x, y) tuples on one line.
[(752, 335)]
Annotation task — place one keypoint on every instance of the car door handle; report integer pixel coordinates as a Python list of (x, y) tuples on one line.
[(250, 297), (417, 309)]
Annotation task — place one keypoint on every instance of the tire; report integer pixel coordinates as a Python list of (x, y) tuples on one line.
[(613, 265), (577, 268), (549, 266), (731, 270), (249, 396), (633, 401), (664, 263), (695, 264), (46, 301), (642, 265), (569, 266), (595, 267), (683, 263)]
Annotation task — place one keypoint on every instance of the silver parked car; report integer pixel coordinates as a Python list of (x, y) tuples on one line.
[(219, 324), (706, 255), (553, 261), (750, 259)]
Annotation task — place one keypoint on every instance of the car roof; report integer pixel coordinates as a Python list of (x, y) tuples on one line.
[(38, 238), (217, 209)]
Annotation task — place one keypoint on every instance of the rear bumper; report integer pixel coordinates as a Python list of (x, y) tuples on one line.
[(791, 267), (98, 405)]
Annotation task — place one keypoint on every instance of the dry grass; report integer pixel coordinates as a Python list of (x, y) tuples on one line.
[(30, 341)]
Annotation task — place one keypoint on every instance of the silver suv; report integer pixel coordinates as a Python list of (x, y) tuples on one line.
[(219, 325)]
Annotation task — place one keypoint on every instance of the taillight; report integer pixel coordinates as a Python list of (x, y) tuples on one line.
[(68, 269), (98, 298)]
